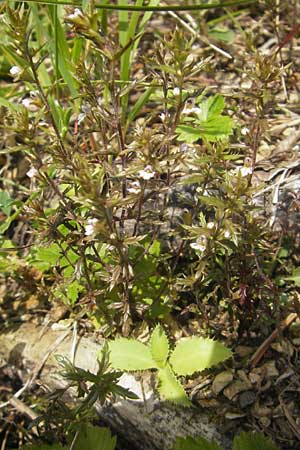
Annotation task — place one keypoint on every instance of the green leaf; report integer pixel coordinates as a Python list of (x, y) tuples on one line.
[(94, 438), (5, 202), (159, 346), (73, 290), (188, 134), (170, 389), (217, 128), (195, 354), (214, 106), (294, 277), (253, 441), (222, 34), (198, 443), (128, 354)]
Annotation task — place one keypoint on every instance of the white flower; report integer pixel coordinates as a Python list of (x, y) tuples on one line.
[(90, 227), (244, 131), (191, 109), (211, 225), (76, 14), (245, 171), (200, 244), (32, 172), (27, 102), (176, 91), (134, 188), (15, 71), (226, 234), (147, 173), (162, 117)]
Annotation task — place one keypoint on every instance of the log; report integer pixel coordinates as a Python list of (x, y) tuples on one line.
[(145, 424)]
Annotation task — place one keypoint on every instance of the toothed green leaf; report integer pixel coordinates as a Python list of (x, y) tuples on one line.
[(127, 354), (170, 388), (195, 354), (159, 346), (253, 441), (198, 443)]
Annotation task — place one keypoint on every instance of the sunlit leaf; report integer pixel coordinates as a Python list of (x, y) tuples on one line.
[(127, 354), (159, 346), (195, 354), (170, 389)]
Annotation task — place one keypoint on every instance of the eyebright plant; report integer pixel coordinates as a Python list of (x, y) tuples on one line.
[(190, 355)]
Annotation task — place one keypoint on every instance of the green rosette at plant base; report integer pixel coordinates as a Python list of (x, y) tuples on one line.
[(170, 389), (195, 354), (129, 354)]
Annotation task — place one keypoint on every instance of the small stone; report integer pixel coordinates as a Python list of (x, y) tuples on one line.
[(254, 377), (235, 388), (270, 369), (246, 398), (221, 381)]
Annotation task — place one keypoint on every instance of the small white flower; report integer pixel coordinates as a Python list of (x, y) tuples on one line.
[(211, 225), (27, 102), (226, 234), (245, 171), (162, 117), (191, 109), (90, 227), (32, 172), (15, 71), (200, 244), (76, 14), (34, 94), (176, 91), (134, 188), (245, 131), (147, 173)]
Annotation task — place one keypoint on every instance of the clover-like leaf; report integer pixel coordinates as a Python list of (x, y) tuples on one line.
[(128, 354), (170, 388), (195, 354), (159, 346)]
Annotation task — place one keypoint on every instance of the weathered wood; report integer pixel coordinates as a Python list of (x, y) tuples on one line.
[(146, 425)]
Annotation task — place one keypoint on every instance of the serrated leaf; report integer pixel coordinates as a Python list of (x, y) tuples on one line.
[(170, 388), (195, 354), (159, 346), (128, 354), (198, 443), (95, 438), (215, 105), (253, 441), (188, 134)]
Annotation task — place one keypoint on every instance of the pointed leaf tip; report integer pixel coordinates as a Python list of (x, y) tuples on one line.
[(159, 346), (170, 388)]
